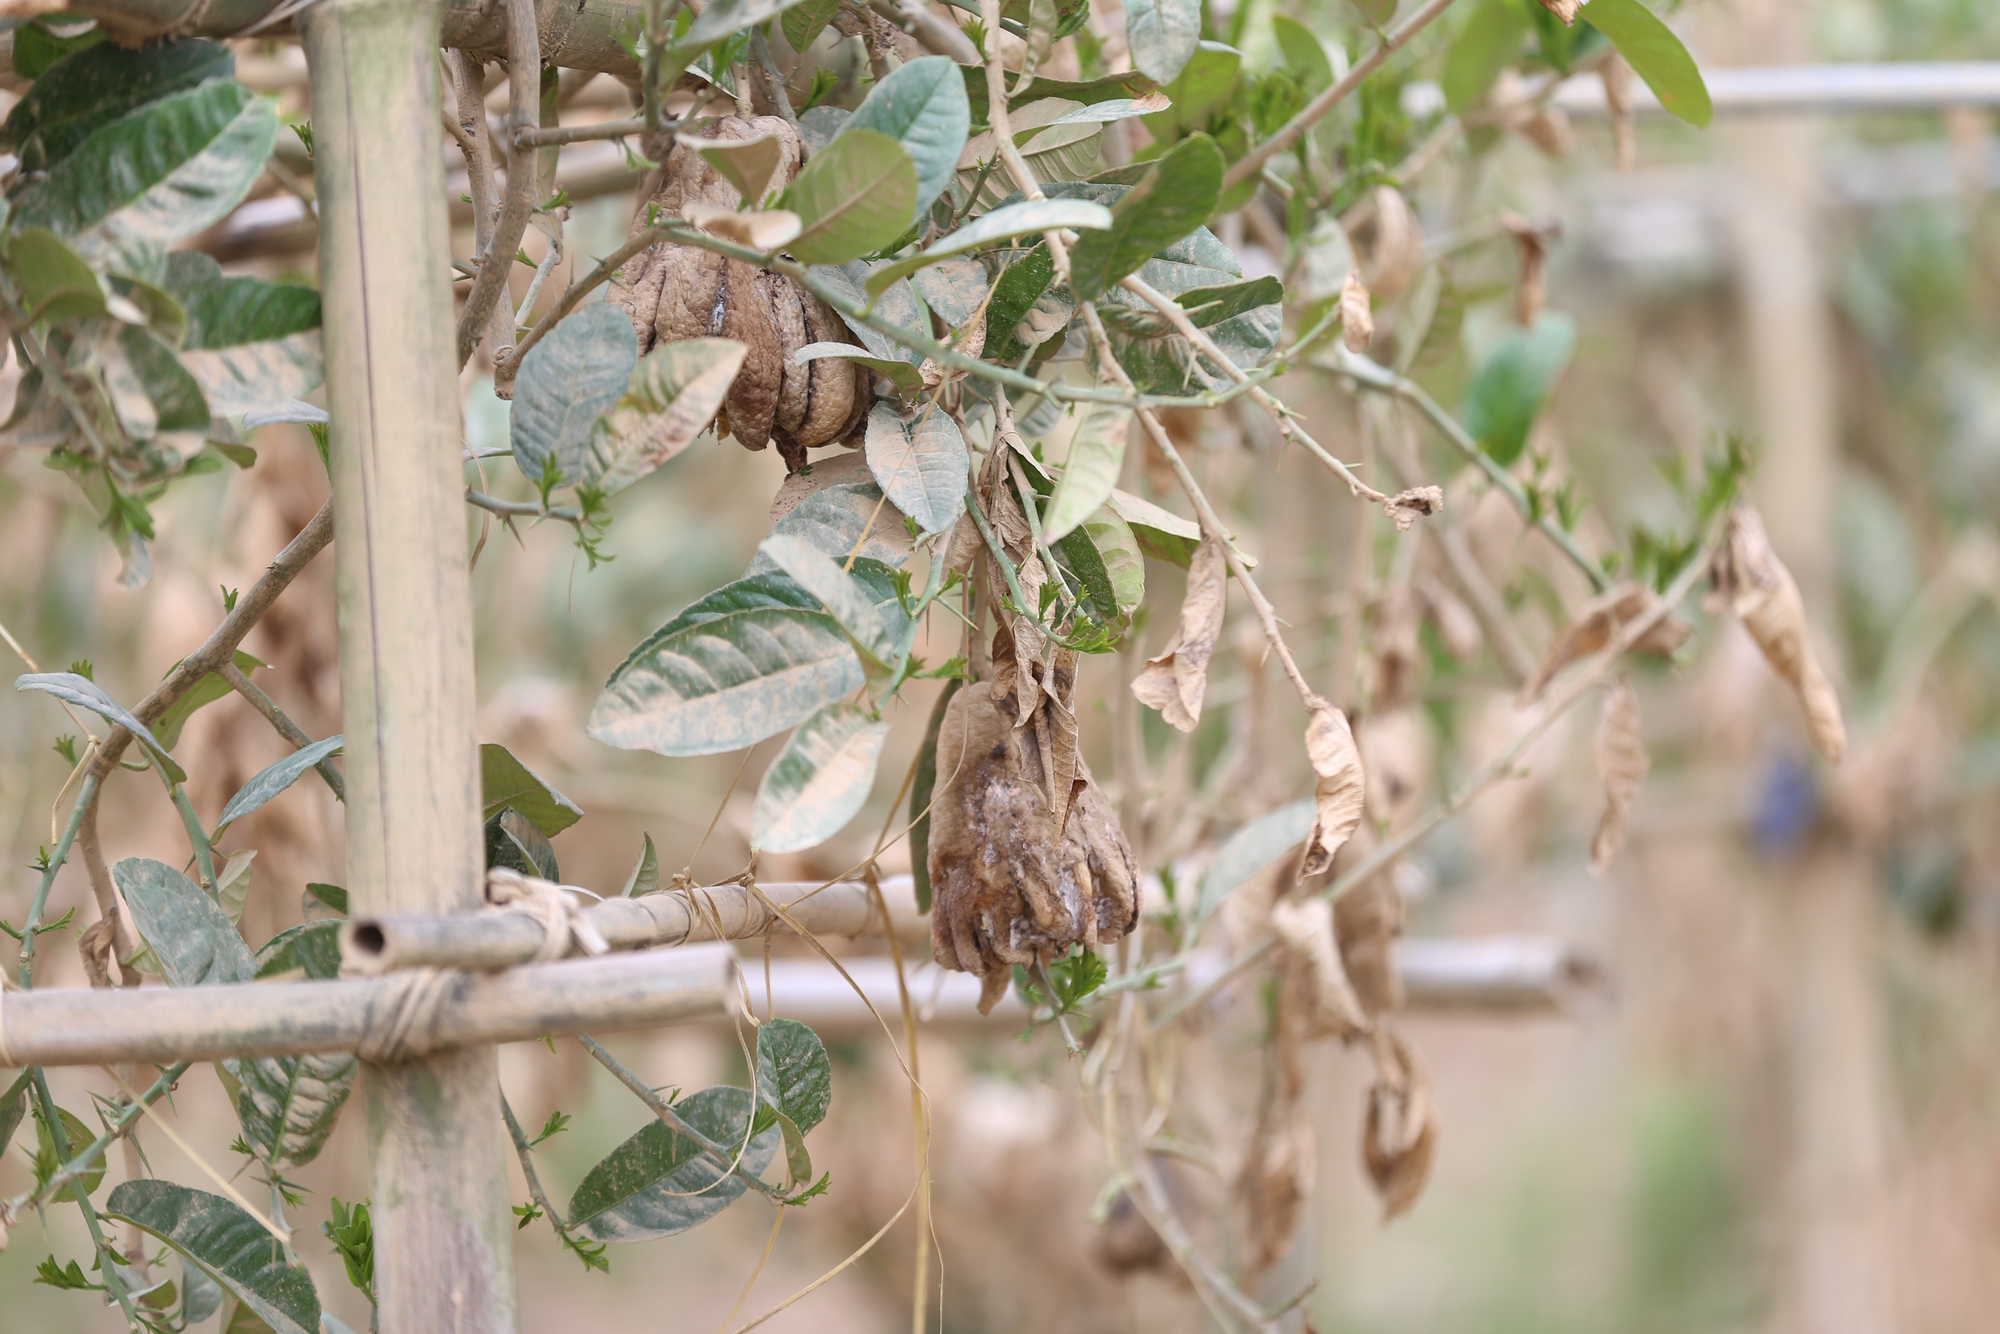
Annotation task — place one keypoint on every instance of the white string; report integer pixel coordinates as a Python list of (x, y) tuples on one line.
[(551, 905)]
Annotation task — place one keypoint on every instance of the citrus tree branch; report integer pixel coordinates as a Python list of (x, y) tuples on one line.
[(496, 262)]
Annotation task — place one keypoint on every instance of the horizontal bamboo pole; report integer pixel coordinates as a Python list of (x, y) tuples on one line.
[(370, 946), (103, 1026), (1908, 85)]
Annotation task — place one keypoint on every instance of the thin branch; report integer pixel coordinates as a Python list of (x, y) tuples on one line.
[(550, 136), (1364, 371), (523, 1150), (1251, 163), (1501, 766), (33, 924), (106, 1257), (935, 33), (278, 719), (524, 78), (80, 1165), (1211, 524)]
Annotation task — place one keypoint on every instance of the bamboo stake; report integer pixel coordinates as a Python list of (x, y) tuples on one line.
[(444, 1233)]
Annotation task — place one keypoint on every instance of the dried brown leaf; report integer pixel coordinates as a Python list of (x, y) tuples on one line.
[(1175, 681), (1366, 921), (767, 229), (1398, 252), (1622, 764), (1755, 584), (1400, 1136), (1398, 655), (1598, 622), (1532, 239), (1304, 926), (1357, 319), (1340, 787), (95, 947), (1276, 1182), (1563, 9)]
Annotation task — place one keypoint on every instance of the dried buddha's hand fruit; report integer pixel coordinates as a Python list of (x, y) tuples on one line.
[(674, 292), (1011, 884)]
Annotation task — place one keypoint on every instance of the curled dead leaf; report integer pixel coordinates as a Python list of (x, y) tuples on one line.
[(1399, 1138), (1398, 250), (1748, 576), (1419, 502), (1357, 318), (1276, 1181), (1304, 926), (1340, 787), (1622, 764), (1175, 681), (1601, 620), (1531, 248), (1562, 9), (767, 229), (1398, 655), (1366, 921), (95, 947)]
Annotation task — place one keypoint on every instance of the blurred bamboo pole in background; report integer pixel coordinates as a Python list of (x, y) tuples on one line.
[(1835, 1264)]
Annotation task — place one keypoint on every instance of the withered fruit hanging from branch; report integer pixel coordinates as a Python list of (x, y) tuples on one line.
[(674, 292), (1026, 854)]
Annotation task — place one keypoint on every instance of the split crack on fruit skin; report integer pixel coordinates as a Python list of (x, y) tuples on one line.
[(675, 292)]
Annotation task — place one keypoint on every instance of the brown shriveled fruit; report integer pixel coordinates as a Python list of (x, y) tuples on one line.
[(1020, 873), (673, 292)]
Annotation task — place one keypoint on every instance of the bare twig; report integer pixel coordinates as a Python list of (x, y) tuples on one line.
[(524, 75)]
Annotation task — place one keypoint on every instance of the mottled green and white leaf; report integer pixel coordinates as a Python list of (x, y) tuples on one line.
[(673, 395), (660, 1182), (819, 781), (920, 461), (273, 780), (227, 1244)]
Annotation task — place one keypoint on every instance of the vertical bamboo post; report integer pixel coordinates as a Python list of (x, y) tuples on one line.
[(443, 1248)]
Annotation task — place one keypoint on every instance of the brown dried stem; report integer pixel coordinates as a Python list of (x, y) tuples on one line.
[(496, 257)]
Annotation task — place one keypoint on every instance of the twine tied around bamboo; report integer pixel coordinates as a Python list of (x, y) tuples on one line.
[(403, 1015), (551, 905)]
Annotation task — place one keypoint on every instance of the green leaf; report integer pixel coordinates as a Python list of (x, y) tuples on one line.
[(908, 380), (1022, 219), (36, 47), (232, 885), (659, 1182), (225, 1243), (922, 105), (1489, 42), (672, 396), (1015, 292), (504, 781), (289, 1105), (1174, 199), (269, 782), (1161, 533), (85, 694), (1655, 55), (1511, 384), (1096, 453), (14, 1106), (88, 89), (513, 842), (1058, 146), (333, 896), (210, 688), (1130, 84), (726, 683), (645, 877), (794, 1073), (881, 632), (725, 17), (173, 397), (165, 171), (567, 381), (845, 519), (231, 312), (313, 948), (853, 198), (955, 289), (55, 282), (819, 781), (1208, 306), (191, 939), (47, 1158), (920, 461), (1304, 54), (1250, 849), (1163, 35), (1124, 565), (804, 21), (1201, 89)]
